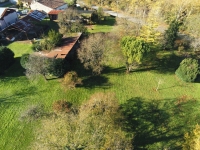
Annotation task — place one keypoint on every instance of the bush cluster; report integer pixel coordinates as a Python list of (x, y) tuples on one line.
[(188, 70), (61, 106)]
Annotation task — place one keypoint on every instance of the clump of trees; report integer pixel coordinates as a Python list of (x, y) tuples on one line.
[(6, 58), (95, 125), (43, 66), (188, 70), (91, 52), (98, 15), (69, 22), (134, 50)]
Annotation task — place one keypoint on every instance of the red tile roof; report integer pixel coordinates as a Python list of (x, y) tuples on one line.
[(55, 12)]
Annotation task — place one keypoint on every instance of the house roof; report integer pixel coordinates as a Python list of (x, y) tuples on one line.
[(22, 25), (55, 12), (5, 11), (25, 24), (61, 52), (52, 3)]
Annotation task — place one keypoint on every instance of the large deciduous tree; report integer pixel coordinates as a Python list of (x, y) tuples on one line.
[(91, 52), (135, 50), (37, 65), (6, 58)]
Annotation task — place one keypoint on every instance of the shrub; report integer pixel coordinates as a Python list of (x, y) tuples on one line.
[(54, 37), (188, 70), (24, 59), (6, 58), (71, 79), (61, 106)]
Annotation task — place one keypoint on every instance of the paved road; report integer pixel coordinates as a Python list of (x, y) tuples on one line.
[(121, 15)]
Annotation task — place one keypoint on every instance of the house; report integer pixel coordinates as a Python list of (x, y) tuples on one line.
[(8, 17), (53, 14), (48, 5), (68, 48)]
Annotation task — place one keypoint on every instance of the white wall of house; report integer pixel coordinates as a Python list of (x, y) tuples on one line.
[(63, 7), (11, 18), (38, 6)]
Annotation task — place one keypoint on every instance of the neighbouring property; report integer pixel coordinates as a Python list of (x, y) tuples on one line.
[(47, 5), (13, 28), (8, 17), (53, 14)]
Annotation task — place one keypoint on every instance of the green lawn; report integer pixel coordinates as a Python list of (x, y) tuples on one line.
[(158, 119), (104, 26)]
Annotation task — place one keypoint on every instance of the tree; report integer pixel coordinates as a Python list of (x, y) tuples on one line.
[(6, 58), (135, 50), (170, 35), (98, 15), (37, 65), (24, 59), (70, 22), (188, 70), (95, 126), (91, 52), (54, 37), (192, 139), (126, 27)]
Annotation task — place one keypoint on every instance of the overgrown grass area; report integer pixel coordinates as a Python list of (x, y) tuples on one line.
[(158, 119)]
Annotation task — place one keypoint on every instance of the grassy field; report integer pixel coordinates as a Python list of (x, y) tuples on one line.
[(104, 26), (158, 119)]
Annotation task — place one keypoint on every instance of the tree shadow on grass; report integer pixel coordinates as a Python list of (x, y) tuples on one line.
[(111, 70), (15, 70), (108, 20), (167, 64), (96, 81), (18, 96), (158, 124)]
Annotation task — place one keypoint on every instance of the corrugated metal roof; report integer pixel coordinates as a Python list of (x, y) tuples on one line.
[(61, 52)]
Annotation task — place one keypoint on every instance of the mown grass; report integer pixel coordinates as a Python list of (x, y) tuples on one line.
[(105, 25), (158, 119)]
